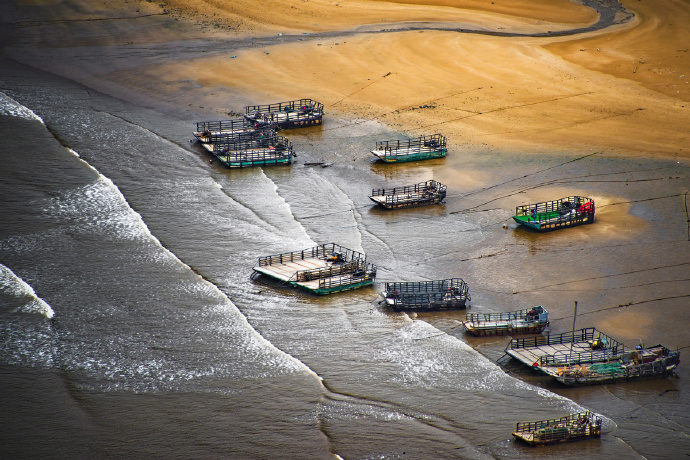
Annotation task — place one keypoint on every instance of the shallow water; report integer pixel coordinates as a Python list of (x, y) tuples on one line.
[(161, 345)]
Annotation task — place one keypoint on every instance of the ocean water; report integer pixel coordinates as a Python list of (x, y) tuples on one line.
[(130, 326)]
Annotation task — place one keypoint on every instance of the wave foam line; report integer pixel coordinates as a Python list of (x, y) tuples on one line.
[(10, 107), (13, 285), (144, 228)]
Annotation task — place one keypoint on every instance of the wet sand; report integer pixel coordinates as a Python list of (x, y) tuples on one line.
[(517, 88), (529, 79)]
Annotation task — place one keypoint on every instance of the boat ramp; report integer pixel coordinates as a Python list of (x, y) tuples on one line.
[(323, 269), (423, 193)]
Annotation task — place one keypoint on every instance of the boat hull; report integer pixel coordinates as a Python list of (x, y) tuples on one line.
[(565, 212), (662, 364), (404, 158), (503, 330), (571, 427)]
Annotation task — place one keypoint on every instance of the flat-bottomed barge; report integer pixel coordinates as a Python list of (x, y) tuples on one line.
[(271, 151), (423, 193), (299, 113), (568, 428), (446, 294), (528, 321), (553, 215), (419, 148), (547, 352), (322, 269)]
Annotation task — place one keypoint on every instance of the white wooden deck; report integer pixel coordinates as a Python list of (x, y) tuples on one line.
[(286, 270), (532, 354)]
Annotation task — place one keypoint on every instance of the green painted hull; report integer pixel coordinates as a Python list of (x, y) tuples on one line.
[(341, 288), (413, 157), (547, 221)]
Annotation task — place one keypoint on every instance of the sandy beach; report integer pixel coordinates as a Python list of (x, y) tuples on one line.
[(539, 99), (624, 89)]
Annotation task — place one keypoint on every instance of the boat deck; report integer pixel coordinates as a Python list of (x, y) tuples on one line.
[(208, 136), (287, 270), (385, 200), (323, 269), (568, 428), (531, 355)]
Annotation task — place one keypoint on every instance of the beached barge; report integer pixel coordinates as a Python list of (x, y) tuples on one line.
[(568, 428), (323, 269), (208, 132), (299, 113), (447, 294), (546, 353), (640, 363), (419, 148), (552, 215), (528, 321), (271, 151), (423, 193)]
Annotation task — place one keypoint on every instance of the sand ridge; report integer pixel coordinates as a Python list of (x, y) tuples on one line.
[(521, 93)]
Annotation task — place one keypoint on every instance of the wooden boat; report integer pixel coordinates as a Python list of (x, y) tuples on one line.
[(528, 321), (207, 131), (546, 353), (429, 192), (447, 294), (299, 113), (656, 361), (323, 269), (568, 428), (552, 215), (419, 148), (272, 151)]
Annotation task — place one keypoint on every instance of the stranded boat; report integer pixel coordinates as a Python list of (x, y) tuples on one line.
[(546, 353), (588, 356), (292, 114), (568, 428), (552, 215), (323, 269), (276, 150), (429, 192), (419, 148), (208, 132), (444, 294), (656, 361), (528, 321)]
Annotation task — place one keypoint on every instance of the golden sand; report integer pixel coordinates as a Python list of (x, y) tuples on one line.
[(622, 90)]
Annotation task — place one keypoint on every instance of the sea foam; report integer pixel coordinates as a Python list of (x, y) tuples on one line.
[(10, 107), (13, 285)]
